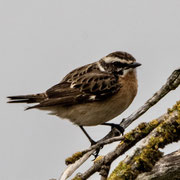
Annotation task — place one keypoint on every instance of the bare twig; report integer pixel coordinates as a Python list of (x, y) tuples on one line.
[(88, 152), (160, 132), (105, 142), (132, 138), (72, 167)]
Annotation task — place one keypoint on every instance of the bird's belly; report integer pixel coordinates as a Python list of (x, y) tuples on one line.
[(90, 114), (94, 114)]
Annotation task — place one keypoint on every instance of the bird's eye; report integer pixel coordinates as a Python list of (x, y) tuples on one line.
[(116, 63), (119, 64)]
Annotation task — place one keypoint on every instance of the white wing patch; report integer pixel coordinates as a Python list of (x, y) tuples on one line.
[(72, 85), (93, 97)]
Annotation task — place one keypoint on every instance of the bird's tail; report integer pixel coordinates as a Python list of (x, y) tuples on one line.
[(31, 98)]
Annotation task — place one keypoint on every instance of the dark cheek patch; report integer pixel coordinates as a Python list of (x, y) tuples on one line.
[(120, 65), (120, 72)]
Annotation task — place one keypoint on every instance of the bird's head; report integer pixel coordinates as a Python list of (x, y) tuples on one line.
[(119, 62)]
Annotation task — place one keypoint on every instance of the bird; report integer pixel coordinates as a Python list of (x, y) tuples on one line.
[(92, 94)]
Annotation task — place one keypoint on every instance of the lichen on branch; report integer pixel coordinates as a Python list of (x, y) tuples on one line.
[(148, 154)]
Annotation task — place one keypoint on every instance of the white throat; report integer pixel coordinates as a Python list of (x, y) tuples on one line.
[(126, 71)]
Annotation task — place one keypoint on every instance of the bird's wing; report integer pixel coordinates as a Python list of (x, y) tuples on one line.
[(82, 85), (85, 88)]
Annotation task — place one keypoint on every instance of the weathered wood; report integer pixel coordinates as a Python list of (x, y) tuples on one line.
[(167, 168)]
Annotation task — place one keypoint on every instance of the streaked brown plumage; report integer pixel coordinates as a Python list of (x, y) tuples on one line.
[(92, 94)]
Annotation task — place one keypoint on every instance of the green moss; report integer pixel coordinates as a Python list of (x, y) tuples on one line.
[(122, 172), (98, 159), (154, 123), (176, 107), (142, 130), (74, 157), (146, 160), (129, 136), (77, 178), (142, 162)]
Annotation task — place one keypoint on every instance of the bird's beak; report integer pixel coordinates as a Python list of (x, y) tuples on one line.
[(135, 64)]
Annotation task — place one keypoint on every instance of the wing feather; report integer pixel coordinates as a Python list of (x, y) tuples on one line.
[(83, 85), (85, 88)]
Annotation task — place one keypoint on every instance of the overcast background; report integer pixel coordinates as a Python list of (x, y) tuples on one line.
[(42, 40)]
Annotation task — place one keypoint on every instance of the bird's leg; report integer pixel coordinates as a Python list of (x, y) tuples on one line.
[(87, 135), (117, 126), (92, 143)]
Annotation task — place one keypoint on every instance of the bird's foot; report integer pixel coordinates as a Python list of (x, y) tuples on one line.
[(92, 142), (117, 126), (96, 153)]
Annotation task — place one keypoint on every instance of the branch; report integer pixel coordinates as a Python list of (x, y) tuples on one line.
[(130, 139), (72, 167), (80, 157), (168, 167), (104, 172), (147, 153)]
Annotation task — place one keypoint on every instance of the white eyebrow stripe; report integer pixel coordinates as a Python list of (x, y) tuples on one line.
[(100, 66), (114, 59)]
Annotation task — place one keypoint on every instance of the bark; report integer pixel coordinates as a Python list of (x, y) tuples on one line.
[(148, 151), (168, 167)]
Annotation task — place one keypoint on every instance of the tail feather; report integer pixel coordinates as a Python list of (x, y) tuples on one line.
[(32, 98)]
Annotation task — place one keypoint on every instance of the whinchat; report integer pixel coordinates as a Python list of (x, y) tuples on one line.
[(92, 94)]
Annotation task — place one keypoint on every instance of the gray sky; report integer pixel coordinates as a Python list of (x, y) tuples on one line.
[(42, 40)]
